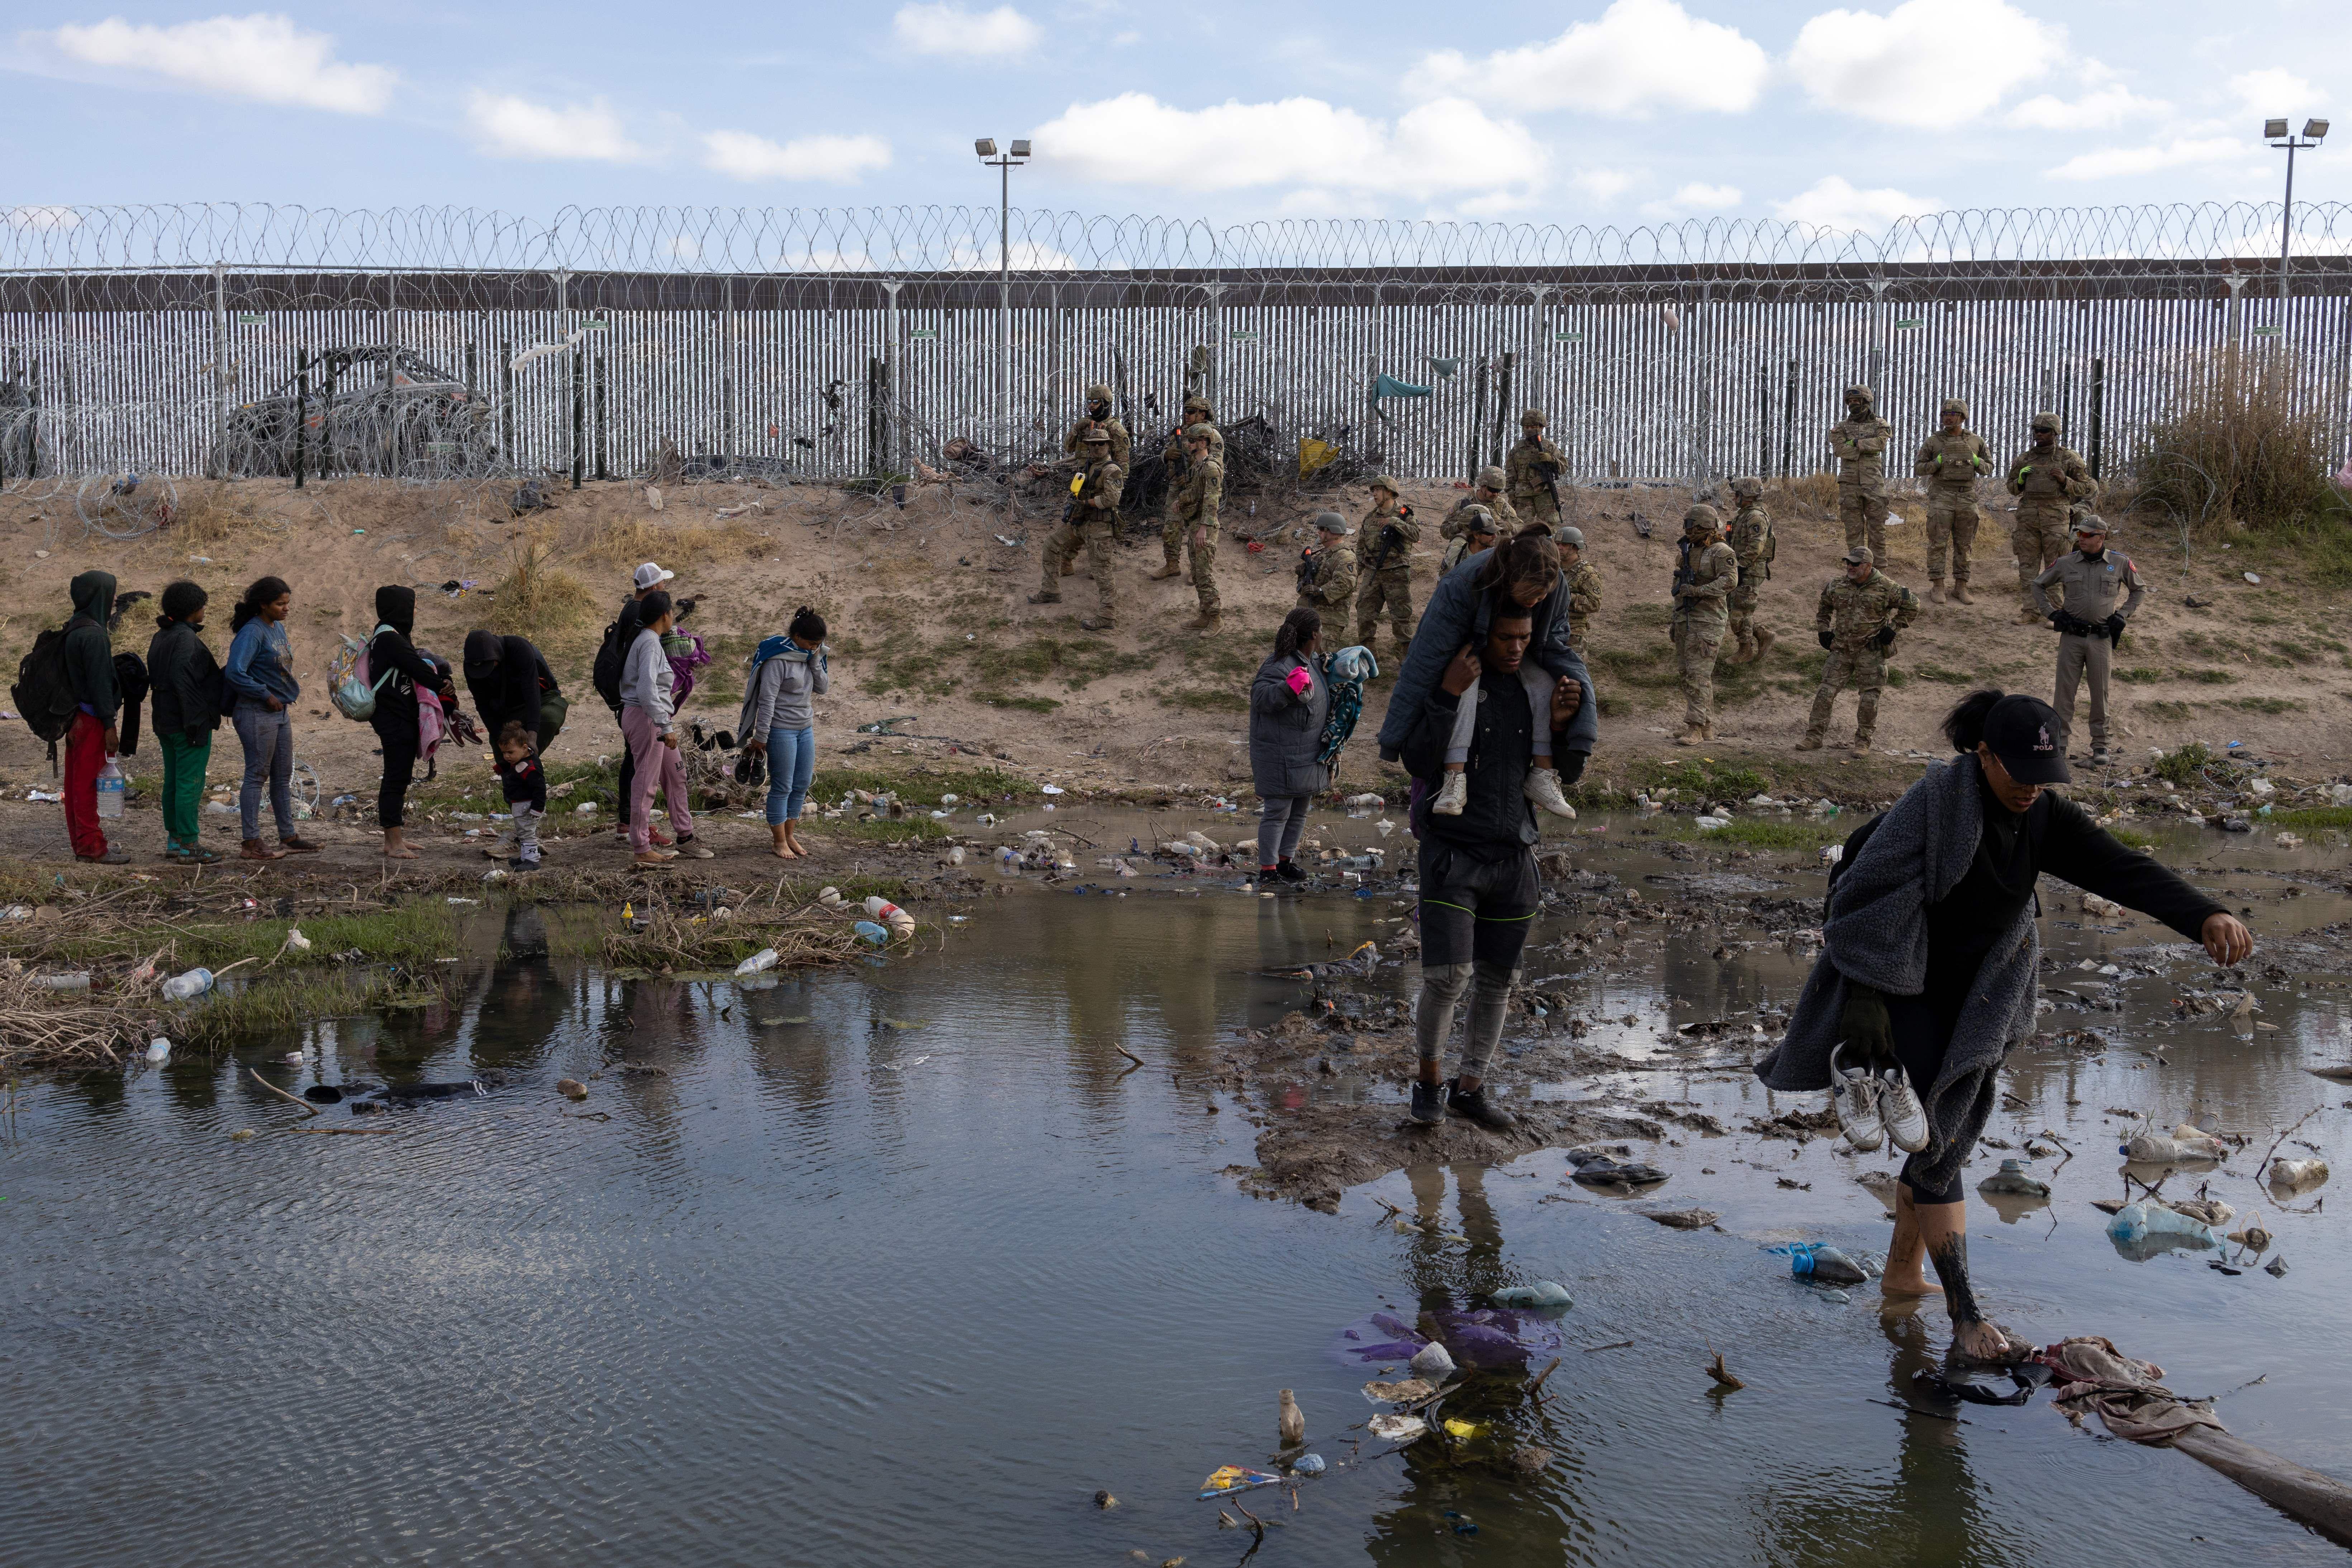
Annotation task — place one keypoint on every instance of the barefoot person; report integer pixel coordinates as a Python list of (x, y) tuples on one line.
[(779, 719), (1477, 872), (1927, 978)]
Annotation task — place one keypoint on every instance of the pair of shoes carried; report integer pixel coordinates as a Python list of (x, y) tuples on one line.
[(1876, 1105), (1472, 1105), (1543, 788), (1452, 795)]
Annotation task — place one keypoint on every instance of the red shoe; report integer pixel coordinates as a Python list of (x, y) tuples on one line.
[(661, 840)]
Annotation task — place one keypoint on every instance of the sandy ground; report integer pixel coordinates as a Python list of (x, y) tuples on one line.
[(929, 625)]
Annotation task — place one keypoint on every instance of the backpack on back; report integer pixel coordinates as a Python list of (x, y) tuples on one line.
[(44, 692), (605, 673), (348, 686)]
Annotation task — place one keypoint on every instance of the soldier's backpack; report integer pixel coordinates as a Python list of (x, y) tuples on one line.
[(44, 692)]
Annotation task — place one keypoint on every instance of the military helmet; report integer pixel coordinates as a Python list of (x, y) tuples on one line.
[(1858, 393), (1204, 431), (1701, 517), (1197, 405), (1097, 434), (1099, 392), (2090, 522), (1574, 536), (1490, 478), (2048, 421), (1332, 523), (1954, 406), (1748, 485), (1535, 417), (1477, 518), (1382, 482)]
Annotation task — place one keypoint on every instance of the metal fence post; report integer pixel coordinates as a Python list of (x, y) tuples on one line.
[(218, 468), (301, 413)]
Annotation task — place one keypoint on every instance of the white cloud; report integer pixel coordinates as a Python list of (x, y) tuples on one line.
[(259, 56), (2265, 93), (1448, 145), (1642, 54), (2106, 101), (839, 160), (1833, 203), (1601, 184), (512, 127), (45, 218), (1695, 197), (950, 29), (1929, 63), (2112, 163)]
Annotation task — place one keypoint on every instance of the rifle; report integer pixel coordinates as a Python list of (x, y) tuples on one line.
[(1549, 472), (1390, 536), (1306, 569), (1684, 574)]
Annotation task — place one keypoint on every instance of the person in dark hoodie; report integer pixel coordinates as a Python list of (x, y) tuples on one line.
[(394, 659), (184, 685), (97, 698), (511, 685)]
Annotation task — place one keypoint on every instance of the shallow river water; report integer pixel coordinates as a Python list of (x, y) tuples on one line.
[(901, 1264)]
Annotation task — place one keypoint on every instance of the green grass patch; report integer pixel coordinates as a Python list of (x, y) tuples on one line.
[(1654, 669), (920, 786), (883, 830), (411, 935), (2183, 764), (1648, 613), (2140, 675), (236, 1013), (1018, 703), (2312, 818), (2170, 713), (1702, 779), (1772, 832), (2209, 677), (2132, 837), (1943, 675), (2263, 705)]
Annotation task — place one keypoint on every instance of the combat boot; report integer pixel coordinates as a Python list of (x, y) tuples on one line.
[(1161, 576), (1936, 594), (1695, 735), (1745, 653), (1960, 592), (1207, 621), (1764, 641), (1070, 566), (1810, 743), (1097, 624), (2027, 616), (1045, 598), (1861, 747)]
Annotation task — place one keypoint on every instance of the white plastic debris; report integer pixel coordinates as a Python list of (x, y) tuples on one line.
[(759, 962), (829, 896), (1051, 789), (295, 941), (1833, 853), (1713, 824), (159, 1049), (585, 808)]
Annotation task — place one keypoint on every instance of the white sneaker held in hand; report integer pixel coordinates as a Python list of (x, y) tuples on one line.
[(1853, 1095), (1900, 1111)]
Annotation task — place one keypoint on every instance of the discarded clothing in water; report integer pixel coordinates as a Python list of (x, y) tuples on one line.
[(2021, 1390), (1600, 1170), (2094, 1378), (1491, 1338)]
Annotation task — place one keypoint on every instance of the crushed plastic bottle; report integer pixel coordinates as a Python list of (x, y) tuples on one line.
[(871, 933), (2156, 1149), (759, 962), (74, 980), (111, 785), (2297, 1172), (195, 983), (2137, 1222), (1827, 1265), (159, 1049), (1542, 1293), (1433, 1362)]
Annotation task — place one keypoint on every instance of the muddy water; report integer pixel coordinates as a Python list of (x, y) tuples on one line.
[(900, 1265)]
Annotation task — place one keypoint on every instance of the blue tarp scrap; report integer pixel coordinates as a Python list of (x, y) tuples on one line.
[(1389, 386)]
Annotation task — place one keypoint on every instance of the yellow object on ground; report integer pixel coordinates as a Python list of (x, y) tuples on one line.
[(1314, 454)]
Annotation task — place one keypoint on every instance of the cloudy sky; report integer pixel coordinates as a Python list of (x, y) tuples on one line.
[(1624, 113)]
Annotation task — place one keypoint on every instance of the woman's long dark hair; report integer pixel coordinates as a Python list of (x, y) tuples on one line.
[(1530, 555), (1964, 725), (265, 591), (1300, 627), (807, 625)]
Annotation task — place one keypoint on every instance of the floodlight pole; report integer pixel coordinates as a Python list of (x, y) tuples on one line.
[(1005, 166), (2313, 132)]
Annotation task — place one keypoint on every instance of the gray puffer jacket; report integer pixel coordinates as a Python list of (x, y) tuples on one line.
[(1286, 728)]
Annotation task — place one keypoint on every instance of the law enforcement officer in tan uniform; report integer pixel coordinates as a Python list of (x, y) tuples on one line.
[(2046, 479), (2101, 588), (1859, 443), (1384, 542), (1752, 541), (1195, 507), (1533, 467), (1175, 459), (1858, 614), (1326, 573), (1583, 584), (1487, 493), (1703, 582), (1951, 462), (1087, 524)]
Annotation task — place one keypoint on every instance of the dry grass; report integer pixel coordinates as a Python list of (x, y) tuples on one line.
[(1803, 492), (538, 600), (216, 511), (2244, 444), (625, 541)]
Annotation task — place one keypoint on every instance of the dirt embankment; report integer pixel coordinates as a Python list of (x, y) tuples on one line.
[(931, 631)]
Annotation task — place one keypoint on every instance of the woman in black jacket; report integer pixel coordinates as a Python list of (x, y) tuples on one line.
[(391, 653), (185, 687)]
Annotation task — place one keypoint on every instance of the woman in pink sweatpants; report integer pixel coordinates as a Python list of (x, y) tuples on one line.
[(647, 723)]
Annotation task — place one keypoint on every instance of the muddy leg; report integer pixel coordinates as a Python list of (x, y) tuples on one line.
[(1441, 986)]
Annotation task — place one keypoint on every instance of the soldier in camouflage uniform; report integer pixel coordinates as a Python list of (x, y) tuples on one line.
[(1702, 584), (1090, 523), (1176, 459), (1196, 508), (1384, 542), (1752, 541), (1583, 584), (1533, 467), (1474, 529), (1859, 443), (2091, 578), (1099, 418), (1951, 460), (2044, 479), (1326, 573), (1860, 613), (1489, 495)]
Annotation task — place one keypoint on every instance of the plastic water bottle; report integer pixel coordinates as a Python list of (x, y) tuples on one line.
[(1826, 1263), (110, 784), (195, 983), (159, 1051), (760, 961), (2137, 1222)]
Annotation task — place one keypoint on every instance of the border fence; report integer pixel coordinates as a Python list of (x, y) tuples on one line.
[(825, 345)]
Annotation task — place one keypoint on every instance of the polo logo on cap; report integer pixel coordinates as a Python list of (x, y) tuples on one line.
[(2042, 741)]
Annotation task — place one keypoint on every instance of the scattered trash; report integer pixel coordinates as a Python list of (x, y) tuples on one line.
[(1821, 1263), (1051, 789), (1307, 1464), (1713, 824), (195, 983), (871, 933), (1598, 1170), (2276, 1267), (2155, 1149), (1542, 1293), (2011, 1181), (829, 896), (1404, 1391), (2146, 1222), (159, 1049), (585, 808), (453, 899), (1397, 1428), (1433, 1362), (76, 980), (1457, 1427), (571, 1089), (1227, 1479), (295, 941), (2296, 1174), (759, 962), (1290, 1422), (2253, 579), (1681, 1219), (42, 794), (1722, 1375)]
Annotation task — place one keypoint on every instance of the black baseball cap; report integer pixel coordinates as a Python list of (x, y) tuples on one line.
[(2025, 733)]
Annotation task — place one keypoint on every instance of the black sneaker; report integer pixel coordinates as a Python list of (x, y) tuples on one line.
[(1428, 1102), (1473, 1106), (1289, 872)]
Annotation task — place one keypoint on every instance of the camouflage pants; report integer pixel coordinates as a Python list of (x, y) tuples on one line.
[(1536, 508), (2040, 538), (1742, 626), (1696, 643), (1864, 668), (1093, 536), (1172, 537), (1863, 511), (1390, 587), (2078, 658), (1204, 557), (1576, 632), (1951, 529)]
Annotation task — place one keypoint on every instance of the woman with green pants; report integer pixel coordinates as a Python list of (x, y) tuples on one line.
[(185, 687)]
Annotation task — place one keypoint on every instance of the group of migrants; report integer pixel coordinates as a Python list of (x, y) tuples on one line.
[(79, 692)]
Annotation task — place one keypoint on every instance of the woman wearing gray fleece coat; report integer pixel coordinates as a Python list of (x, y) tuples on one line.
[(648, 721), (1931, 959)]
